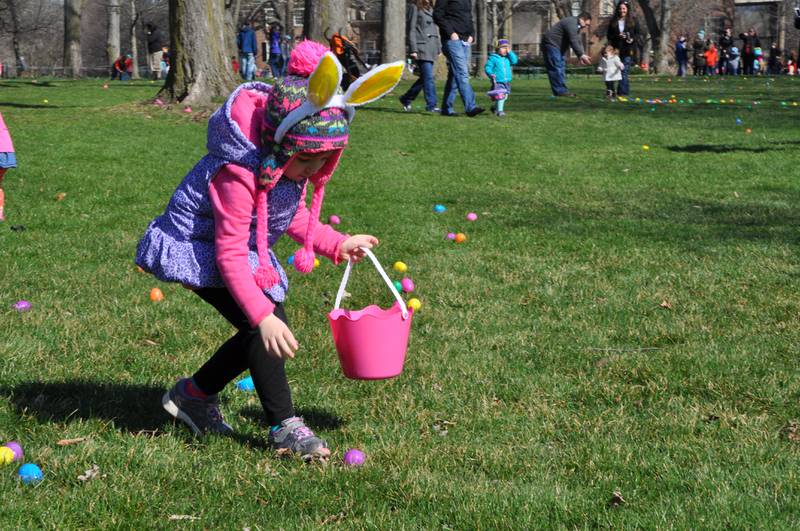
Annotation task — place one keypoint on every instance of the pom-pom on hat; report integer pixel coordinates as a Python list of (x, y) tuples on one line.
[(503, 42), (305, 113)]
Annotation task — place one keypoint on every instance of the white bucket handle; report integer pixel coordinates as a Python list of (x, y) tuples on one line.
[(386, 279)]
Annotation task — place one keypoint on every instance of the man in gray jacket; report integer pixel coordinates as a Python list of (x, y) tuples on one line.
[(565, 34)]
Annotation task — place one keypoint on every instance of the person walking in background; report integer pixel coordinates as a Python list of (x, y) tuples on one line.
[(711, 59), (275, 56), (681, 56), (423, 47), (611, 67), (498, 68), (724, 50), (623, 34), (128, 68), (454, 18), (734, 60), (698, 54), (155, 43), (750, 42), (286, 52), (248, 47), (774, 66), (562, 36), (118, 69)]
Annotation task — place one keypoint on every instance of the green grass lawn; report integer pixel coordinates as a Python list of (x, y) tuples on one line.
[(620, 319)]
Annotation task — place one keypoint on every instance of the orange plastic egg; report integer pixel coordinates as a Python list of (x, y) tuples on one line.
[(156, 295), (461, 237)]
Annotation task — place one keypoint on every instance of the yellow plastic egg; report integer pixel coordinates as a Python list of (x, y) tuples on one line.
[(6, 455), (414, 304), (316, 262), (400, 267)]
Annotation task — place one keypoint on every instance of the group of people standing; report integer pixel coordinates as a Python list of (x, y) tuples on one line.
[(279, 48), (725, 58)]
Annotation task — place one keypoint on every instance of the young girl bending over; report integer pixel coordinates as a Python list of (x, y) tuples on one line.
[(265, 145)]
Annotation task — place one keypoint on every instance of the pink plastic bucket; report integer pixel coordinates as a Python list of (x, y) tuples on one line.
[(372, 342)]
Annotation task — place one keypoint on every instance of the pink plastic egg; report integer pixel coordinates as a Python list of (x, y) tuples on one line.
[(451, 235), (472, 216), (334, 220), (407, 284), (354, 457), (17, 449)]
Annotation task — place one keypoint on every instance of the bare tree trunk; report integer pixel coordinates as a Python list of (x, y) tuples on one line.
[(508, 10), (662, 50), (72, 38), (495, 21), (289, 16), (484, 40), (20, 64), (199, 70), (324, 15), (112, 41), (563, 8), (393, 42), (134, 43)]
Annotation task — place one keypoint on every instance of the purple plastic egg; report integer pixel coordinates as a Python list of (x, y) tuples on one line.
[(334, 220), (472, 216), (407, 284), (22, 306), (354, 457), (451, 235), (17, 449)]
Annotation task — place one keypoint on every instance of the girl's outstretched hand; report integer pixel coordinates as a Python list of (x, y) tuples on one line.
[(278, 339), (350, 248)]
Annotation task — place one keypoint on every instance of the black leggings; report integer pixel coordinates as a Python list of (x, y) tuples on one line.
[(244, 351)]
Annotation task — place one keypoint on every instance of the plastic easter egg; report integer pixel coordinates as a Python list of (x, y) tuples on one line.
[(246, 384), (748, 130), (439, 209), (472, 216), (397, 285), (354, 457), (407, 284), (17, 449), (290, 260), (451, 235), (6, 455), (334, 220), (187, 109), (30, 473), (400, 267), (460, 237), (414, 304), (45, 101), (22, 306), (738, 121), (316, 262), (646, 147), (156, 295)]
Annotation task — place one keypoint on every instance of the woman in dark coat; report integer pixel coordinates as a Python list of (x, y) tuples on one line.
[(424, 47), (623, 34)]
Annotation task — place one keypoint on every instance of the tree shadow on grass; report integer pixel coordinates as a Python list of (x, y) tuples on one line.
[(29, 105), (132, 408)]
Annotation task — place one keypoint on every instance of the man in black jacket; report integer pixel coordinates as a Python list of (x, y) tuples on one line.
[(454, 18), (155, 42), (750, 42)]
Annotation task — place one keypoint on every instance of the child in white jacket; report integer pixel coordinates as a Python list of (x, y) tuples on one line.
[(611, 67)]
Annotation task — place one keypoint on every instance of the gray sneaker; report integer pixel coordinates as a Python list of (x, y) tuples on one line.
[(295, 437), (201, 415)]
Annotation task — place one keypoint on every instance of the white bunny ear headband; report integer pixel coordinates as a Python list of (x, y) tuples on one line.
[(325, 79)]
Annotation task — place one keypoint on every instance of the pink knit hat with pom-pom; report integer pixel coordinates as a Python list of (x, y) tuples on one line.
[(325, 130)]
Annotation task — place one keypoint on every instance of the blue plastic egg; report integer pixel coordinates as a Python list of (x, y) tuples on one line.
[(439, 209), (30, 473)]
